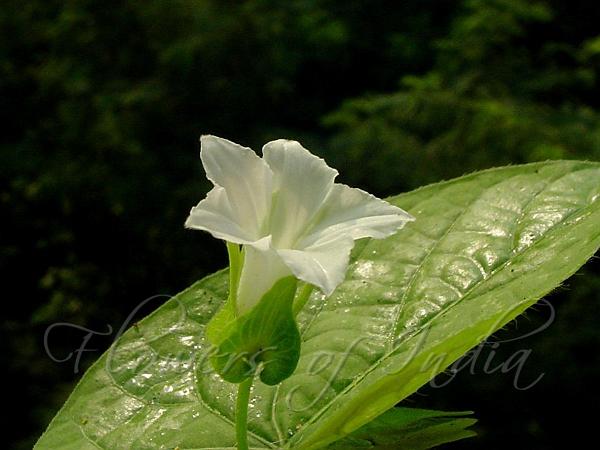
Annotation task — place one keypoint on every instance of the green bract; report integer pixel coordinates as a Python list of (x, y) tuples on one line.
[(484, 247), (265, 338)]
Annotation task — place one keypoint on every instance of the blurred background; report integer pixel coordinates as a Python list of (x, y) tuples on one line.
[(102, 104)]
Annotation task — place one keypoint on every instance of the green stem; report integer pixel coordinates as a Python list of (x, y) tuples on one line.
[(302, 298), (241, 413)]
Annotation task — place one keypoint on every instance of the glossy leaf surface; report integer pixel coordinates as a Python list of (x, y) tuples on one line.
[(484, 247)]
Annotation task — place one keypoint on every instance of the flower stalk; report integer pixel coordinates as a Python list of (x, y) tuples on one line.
[(241, 413)]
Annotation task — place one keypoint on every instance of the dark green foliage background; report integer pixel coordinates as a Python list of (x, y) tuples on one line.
[(103, 102)]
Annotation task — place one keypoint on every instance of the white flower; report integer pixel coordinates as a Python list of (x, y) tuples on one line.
[(287, 212)]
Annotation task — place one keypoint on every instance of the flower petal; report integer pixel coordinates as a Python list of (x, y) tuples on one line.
[(214, 214), (323, 265), (246, 178), (302, 182), (355, 213), (262, 268)]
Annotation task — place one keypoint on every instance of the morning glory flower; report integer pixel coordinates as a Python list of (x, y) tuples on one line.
[(288, 214)]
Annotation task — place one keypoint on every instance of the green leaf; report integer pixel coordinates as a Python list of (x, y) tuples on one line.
[(484, 247), (266, 337), (409, 429)]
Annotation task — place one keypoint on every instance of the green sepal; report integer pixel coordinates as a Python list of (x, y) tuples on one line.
[(266, 337), (219, 326), (222, 323)]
